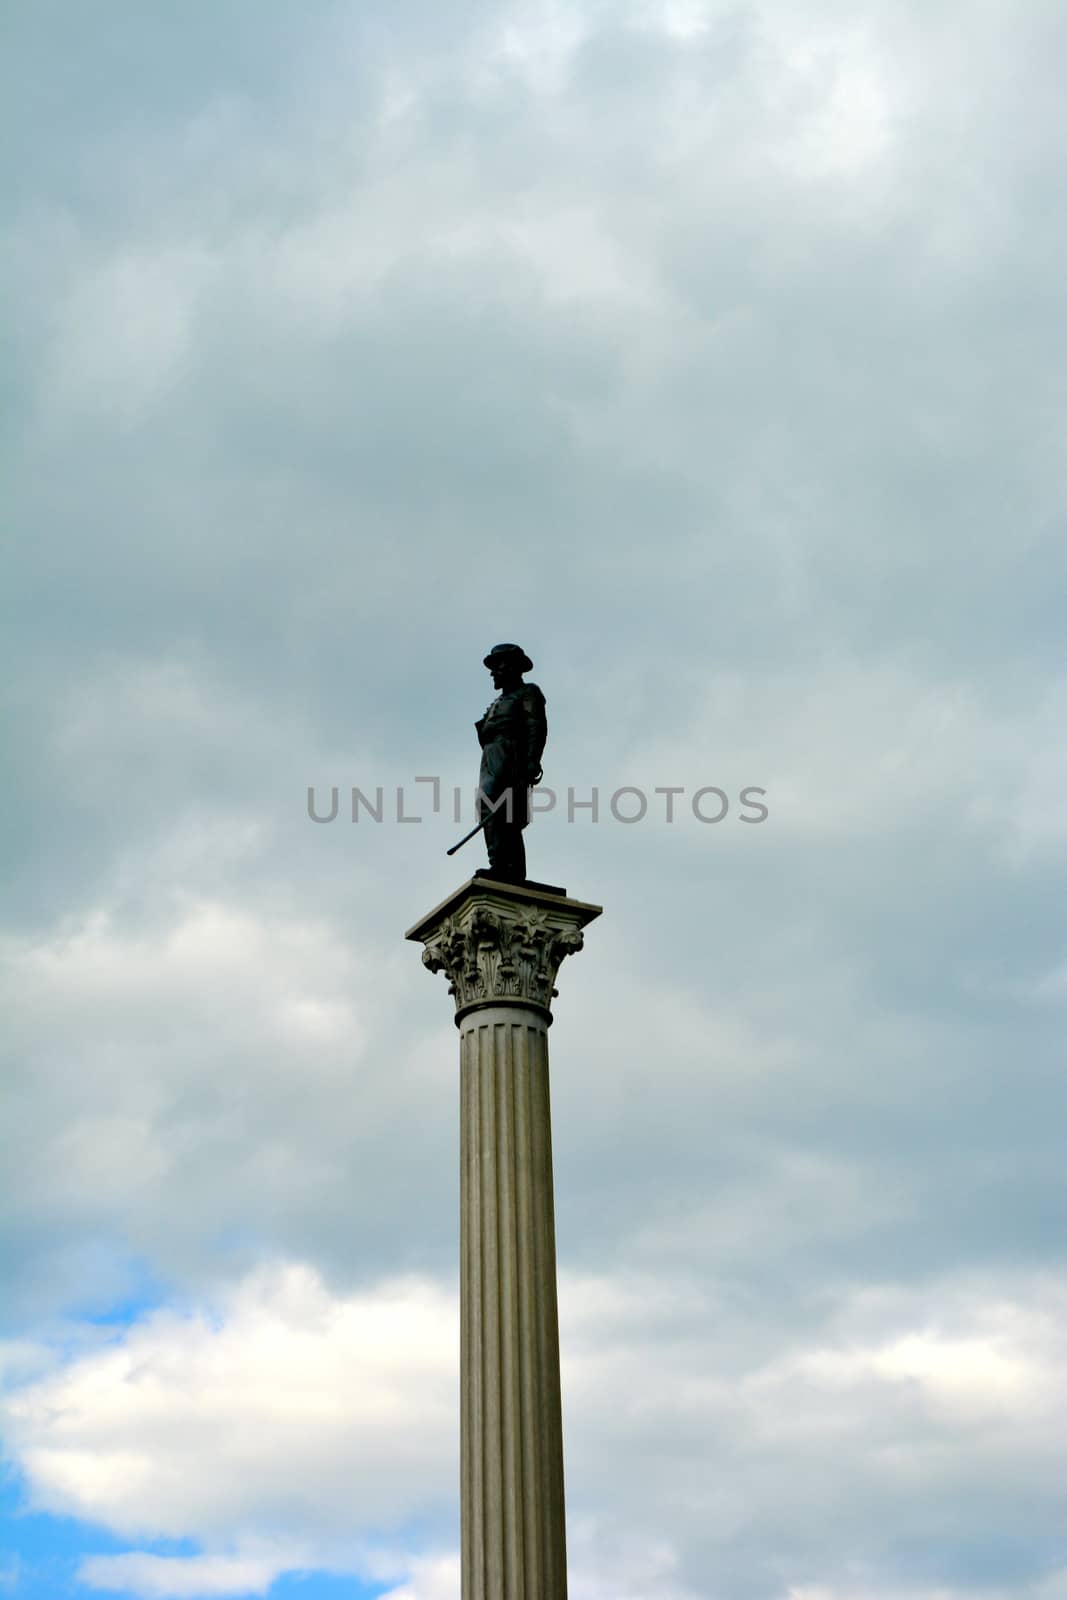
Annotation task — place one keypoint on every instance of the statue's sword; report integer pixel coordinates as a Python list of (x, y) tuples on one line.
[(467, 836)]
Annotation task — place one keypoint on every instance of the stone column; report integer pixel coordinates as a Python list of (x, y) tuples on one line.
[(501, 946)]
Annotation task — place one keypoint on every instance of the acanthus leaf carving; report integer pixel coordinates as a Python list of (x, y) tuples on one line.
[(498, 952)]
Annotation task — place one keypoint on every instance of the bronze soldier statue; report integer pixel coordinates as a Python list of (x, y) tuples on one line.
[(512, 735)]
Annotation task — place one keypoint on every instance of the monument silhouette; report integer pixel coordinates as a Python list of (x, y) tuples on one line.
[(501, 940)]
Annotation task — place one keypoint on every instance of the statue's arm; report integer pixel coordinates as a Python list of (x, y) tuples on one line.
[(536, 730)]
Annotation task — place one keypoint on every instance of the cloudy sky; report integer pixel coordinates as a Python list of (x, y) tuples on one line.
[(714, 350)]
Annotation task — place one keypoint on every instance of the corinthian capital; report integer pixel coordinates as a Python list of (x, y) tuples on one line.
[(502, 944)]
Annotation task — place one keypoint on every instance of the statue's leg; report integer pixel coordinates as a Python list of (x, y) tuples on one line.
[(492, 840), (507, 853), (512, 854)]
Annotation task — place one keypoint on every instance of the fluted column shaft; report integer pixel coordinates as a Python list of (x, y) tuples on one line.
[(511, 1434), (501, 946)]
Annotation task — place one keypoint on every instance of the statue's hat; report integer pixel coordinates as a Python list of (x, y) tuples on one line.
[(524, 663)]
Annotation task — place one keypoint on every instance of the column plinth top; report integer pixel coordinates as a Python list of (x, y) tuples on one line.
[(502, 943)]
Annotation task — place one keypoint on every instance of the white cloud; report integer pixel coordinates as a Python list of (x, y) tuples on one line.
[(861, 1587), (328, 1410), (180, 1577), (186, 1074), (539, 42), (435, 1578), (124, 335), (288, 1425), (851, 748)]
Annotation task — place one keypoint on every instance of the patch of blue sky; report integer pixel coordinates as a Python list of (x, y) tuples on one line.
[(327, 1586), (145, 1293), (40, 1554)]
